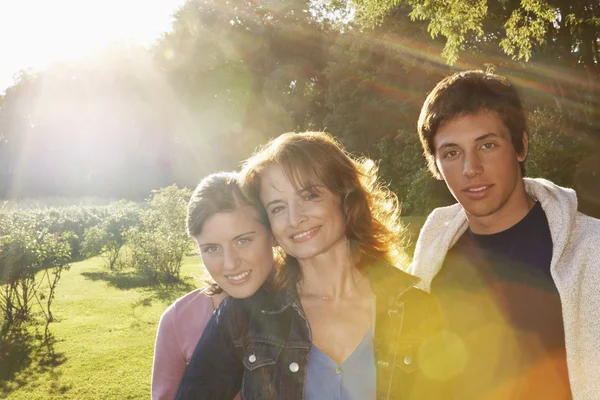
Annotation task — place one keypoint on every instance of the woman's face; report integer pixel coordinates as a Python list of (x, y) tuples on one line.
[(306, 222), (237, 251)]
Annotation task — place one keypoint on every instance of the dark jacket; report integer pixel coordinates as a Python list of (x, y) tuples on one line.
[(260, 345)]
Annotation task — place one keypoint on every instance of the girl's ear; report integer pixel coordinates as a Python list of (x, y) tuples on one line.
[(274, 242)]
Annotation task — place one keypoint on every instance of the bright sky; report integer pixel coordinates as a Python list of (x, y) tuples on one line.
[(36, 33)]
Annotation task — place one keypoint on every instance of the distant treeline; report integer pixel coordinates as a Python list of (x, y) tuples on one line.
[(231, 75)]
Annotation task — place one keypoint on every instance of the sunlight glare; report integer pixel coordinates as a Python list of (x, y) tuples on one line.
[(37, 33)]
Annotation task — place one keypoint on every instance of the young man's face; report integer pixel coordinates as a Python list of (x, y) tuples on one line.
[(476, 158)]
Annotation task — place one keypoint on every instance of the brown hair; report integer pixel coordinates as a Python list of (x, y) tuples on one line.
[(466, 93), (371, 211), (217, 193)]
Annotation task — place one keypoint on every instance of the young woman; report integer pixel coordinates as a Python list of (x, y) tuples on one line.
[(236, 248), (342, 321)]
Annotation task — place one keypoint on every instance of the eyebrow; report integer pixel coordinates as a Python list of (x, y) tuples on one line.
[(477, 139), (237, 237), (244, 234), (297, 192), (310, 188)]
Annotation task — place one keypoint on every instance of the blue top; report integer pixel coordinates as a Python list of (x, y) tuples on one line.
[(355, 378)]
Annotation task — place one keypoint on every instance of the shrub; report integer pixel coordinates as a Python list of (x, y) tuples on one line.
[(74, 219), (158, 245), (31, 263), (108, 237)]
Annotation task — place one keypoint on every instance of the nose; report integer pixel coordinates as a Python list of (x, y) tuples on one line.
[(231, 260), (296, 215), (472, 165)]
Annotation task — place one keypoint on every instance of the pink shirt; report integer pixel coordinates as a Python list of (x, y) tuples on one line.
[(179, 330)]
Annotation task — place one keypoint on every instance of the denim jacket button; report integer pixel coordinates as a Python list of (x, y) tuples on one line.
[(252, 358), (407, 360), (294, 367)]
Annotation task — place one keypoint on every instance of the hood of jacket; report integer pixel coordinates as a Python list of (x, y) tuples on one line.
[(445, 226)]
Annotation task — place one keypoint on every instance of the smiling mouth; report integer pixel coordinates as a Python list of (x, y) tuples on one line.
[(477, 192), (238, 277), (305, 234), (478, 189)]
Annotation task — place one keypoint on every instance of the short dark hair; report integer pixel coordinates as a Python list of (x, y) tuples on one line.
[(467, 93)]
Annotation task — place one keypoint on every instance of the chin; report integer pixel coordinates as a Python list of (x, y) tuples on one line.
[(306, 253), (239, 293), (479, 210)]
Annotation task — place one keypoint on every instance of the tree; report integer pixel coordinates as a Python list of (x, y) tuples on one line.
[(558, 39), (375, 83), (72, 129), (521, 29), (246, 71)]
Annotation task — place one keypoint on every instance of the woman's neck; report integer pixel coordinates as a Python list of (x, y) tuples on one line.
[(331, 274)]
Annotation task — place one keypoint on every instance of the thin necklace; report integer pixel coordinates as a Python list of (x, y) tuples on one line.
[(330, 297)]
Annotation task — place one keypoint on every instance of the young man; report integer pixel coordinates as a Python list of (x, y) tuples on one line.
[(513, 267)]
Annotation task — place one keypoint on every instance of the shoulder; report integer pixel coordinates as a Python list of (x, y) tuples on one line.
[(586, 232), (442, 215), (417, 303), (389, 280), (235, 317), (589, 224), (237, 311), (193, 306)]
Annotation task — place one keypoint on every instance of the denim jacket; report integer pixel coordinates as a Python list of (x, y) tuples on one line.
[(260, 345)]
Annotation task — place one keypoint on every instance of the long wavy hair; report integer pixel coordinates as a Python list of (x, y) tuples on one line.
[(371, 211)]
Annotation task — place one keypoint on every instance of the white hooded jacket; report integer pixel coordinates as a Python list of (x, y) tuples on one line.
[(575, 269)]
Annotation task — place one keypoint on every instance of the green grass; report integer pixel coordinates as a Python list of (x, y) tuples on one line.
[(102, 342)]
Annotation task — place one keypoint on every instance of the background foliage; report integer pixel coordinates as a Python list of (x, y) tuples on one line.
[(232, 74)]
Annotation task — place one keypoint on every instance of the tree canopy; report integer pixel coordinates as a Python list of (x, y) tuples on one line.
[(232, 74)]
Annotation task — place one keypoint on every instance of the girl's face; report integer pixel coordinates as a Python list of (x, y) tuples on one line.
[(306, 222), (237, 251)]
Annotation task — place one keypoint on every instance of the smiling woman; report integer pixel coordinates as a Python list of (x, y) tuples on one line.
[(236, 248), (340, 312), (51, 31)]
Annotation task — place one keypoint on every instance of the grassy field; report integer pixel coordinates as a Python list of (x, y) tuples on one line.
[(102, 341)]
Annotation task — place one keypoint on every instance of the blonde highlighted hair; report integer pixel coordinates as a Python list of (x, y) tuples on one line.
[(371, 211)]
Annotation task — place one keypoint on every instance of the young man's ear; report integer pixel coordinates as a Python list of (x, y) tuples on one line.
[(523, 155)]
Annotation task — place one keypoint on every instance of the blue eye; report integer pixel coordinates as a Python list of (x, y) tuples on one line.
[(277, 209), (210, 249), (242, 241)]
